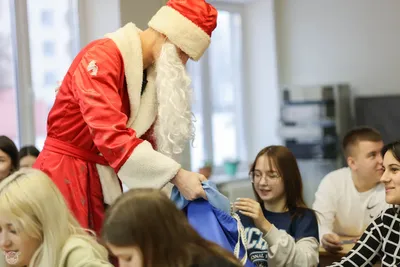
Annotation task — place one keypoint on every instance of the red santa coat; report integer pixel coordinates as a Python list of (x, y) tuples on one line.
[(101, 119)]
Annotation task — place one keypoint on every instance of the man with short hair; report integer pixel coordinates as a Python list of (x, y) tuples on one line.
[(348, 199)]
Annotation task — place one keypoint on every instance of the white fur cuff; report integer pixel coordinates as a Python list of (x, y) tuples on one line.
[(109, 183), (147, 168)]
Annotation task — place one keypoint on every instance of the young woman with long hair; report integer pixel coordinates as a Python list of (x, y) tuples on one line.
[(281, 230), (380, 241), (144, 228)]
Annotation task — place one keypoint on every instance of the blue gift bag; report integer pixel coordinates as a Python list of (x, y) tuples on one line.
[(216, 199), (216, 224)]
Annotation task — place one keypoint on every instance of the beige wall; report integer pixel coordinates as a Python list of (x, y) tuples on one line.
[(139, 11), (98, 17), (261, 76), (340, 41)]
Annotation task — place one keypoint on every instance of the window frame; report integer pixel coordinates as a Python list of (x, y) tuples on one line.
[(241, 138), (23, 71), (22, 65)]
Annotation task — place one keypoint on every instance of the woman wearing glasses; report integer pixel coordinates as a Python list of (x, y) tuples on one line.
[(281, 230), (380, 240)]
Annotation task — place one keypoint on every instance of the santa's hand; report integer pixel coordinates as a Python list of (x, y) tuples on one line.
[(189, 184), (58, 86)]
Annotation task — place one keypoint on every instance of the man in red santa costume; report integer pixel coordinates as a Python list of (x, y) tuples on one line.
[(123, 111)]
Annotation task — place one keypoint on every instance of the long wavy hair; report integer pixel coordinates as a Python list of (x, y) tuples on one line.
[(174, 126), (37, 208), (149, 220)]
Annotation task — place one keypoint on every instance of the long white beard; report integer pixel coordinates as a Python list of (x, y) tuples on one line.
[(174, 127)]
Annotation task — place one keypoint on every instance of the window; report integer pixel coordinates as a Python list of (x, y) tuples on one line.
[(47, 16), (8, 91), (198, 155), (47, 66), (217, 82), (48, 49)]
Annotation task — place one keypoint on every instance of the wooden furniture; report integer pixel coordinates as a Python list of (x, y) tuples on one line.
[(327, 258)]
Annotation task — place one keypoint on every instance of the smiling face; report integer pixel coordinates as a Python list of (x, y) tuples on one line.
[(16, 245), (366, 160), (127, 256), (267, 181), (391, 178)]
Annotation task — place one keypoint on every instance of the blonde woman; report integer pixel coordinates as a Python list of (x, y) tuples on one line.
[(37, 229)]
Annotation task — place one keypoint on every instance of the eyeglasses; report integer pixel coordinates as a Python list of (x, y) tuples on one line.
[(270, 177)]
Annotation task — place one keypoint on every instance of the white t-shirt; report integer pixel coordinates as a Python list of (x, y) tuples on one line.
[(342, 209)]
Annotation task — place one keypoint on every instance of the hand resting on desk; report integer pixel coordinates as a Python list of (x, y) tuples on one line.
[(331, 243)]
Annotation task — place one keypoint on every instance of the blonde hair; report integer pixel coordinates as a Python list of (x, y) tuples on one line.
[(36, 207)]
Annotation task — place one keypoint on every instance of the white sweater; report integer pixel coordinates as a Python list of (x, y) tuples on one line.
[(343, 210)]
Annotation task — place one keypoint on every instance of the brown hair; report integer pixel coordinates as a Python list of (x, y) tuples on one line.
[(148, 219), (358, 134), (8, 147), (393, 148), (287, 167), (28, 151)]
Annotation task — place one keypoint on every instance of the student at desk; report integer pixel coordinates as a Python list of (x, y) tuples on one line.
[(280, 229), (348, 199), (381, 239)]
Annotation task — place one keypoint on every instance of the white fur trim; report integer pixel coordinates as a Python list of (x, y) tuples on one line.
[(147, 168), (147, 112), (109, 183), (139, 170), (143, 107), (181, 31), (167, 189), (128, 42)]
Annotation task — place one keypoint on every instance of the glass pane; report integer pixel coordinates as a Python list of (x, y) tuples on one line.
[(8, 91), (197, 149), (53, 37), (224, 85)]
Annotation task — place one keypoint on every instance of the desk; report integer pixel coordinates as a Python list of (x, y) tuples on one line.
[(327, 258)]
